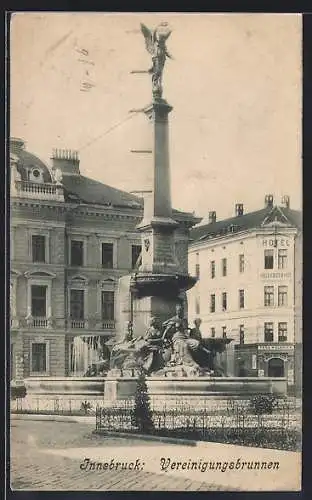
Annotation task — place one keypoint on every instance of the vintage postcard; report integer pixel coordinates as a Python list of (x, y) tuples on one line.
[(156, 251)]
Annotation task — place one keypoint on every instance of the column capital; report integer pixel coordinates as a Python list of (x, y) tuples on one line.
[(158, 110)]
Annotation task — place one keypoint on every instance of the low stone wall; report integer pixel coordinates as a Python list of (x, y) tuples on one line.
[(216, 387), (63, 386), (68, 394)]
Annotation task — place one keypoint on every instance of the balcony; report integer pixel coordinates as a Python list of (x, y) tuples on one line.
[(92, 324), (78, 324), (39, 322), (108, 324), (47, 191)]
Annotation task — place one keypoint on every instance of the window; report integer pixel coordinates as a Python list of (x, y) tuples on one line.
[(241, 262), (241, 299), (197, 305), (76, 253), (224, 332), (197, 266), (224, 267), (212, 303), (269, 296), (268, 259), (241, 334), (282, 332), (135, 256), (224, 301), (268, 332), (108, 255), (282, 295), (77, 304), (38, 301), (12, 362), (213, 332), (212, 269), (39, 357), (38, 248), (197, 271), (282, 258), (108, 305), (254, 361)]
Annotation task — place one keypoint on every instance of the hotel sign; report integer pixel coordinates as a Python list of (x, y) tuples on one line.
[(276, 242), (275, 276), (269, 347)]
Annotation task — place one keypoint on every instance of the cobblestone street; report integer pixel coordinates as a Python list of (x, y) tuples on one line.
[(33, 468)]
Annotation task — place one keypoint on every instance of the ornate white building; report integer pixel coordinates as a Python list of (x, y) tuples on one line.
[(72, 238)]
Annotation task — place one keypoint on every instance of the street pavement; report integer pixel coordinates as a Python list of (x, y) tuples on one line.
[(47, 455)]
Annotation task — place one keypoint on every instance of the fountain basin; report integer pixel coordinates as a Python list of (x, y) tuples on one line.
[(63, 386), (158, 386), (67, 394), (190, 387)]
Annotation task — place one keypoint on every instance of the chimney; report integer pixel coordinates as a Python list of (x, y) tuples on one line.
[(239, 209), (16, 145), (212, 217), (66, 160), (285, 201), (268, 200)]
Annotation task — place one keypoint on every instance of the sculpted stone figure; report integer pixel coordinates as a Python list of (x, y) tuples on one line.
[(57, 175), (155, 42), (168, 347), (153, 334), (171, 324), (123, 350), (195, 332), (138, 353), (183, 345)]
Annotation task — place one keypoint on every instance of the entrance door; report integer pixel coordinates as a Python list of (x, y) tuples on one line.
[(276, 368)]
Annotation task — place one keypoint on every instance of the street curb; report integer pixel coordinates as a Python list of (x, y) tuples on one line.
[(53, 418), (147, 437)]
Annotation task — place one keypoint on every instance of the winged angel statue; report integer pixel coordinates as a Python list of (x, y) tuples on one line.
[(155, 41)]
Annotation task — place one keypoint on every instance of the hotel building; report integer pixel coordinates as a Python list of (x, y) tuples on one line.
[(249, 288)]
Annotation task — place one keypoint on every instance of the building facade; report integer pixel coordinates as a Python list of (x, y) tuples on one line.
[(249, 270), (72, 238)]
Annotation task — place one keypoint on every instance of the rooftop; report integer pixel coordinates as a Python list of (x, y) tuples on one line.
[(251, 220), (77, 188)]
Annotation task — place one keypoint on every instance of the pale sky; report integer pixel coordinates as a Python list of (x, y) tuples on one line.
[(234, 84)]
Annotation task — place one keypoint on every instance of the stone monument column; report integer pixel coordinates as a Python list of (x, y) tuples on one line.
[(157, 227), (159, 265), (159, 284)]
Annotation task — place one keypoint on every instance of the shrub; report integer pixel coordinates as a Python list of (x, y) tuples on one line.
[(263, 404), (18, 392), (141, 413)]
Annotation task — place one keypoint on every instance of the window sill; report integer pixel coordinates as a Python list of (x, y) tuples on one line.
[(39, 374)]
